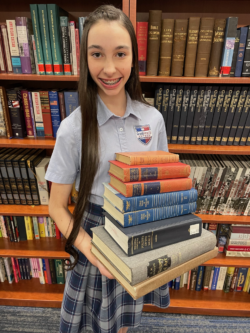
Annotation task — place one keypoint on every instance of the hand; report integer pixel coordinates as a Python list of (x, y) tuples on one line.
[(103, 270)]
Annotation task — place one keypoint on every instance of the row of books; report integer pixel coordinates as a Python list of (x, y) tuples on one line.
[(207, 115), (50, 44), (228, 279), (34, 114), (48, 271), (192, 47), (23, 228), (222, 183), (147, 243)]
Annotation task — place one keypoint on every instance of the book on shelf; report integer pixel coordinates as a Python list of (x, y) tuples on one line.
[(166, 46), (179, 47), (235, 53), (191, 48)]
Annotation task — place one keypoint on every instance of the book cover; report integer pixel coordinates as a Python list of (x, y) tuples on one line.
[(192, 42), (166, 45), (179, 47)]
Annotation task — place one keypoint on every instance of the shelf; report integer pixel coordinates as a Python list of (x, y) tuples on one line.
[(37, 248), (209, 149), (28, 143), (214, 302), (149, 78)]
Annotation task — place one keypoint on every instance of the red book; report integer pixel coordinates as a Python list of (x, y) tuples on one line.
[(77, 51), (142, 42), (134, 189), (27, 114), (18, 268), (127, 173), (58, 234), (15, 271), (240, 230), (238, 248), (48, 271), (48, 129)]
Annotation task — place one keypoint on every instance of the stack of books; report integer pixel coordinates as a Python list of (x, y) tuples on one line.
[(150, 235)]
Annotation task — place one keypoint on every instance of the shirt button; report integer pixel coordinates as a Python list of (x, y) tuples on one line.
[(121, 129)]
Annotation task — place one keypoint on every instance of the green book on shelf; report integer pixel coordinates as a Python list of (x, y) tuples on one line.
[(59, 271)]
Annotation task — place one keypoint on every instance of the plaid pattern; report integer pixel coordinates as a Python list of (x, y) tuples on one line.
[(92, 301)]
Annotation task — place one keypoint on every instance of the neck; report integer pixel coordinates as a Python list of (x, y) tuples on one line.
[(116, 104)]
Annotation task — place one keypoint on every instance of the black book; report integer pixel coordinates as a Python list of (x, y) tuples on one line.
[(243, 119), (197, 114), (159, 233), (223, 114), (52, 271), (210, 114), (32, 162), (3, 192), (170, 112), (203, 115), (246, 64), (21, 268), (237, 115), (15, 106), (245, 139), (165, 102), (216, 117), (9, 228), (158, 97), (230, 114), (190, 114), (21, 227), (177, 114), (5, 177), (235, 54), (184, 111)]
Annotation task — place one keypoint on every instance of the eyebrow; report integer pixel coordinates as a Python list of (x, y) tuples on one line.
[(101, 48)]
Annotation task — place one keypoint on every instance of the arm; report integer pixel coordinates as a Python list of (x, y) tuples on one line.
[(58, 210)]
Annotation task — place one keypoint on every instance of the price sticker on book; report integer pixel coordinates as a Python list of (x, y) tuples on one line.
[(194, 229)]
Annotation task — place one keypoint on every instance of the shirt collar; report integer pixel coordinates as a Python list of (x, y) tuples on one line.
[(104, 114)]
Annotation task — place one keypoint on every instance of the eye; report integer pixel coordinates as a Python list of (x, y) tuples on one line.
[(121, 54), (96, 55)]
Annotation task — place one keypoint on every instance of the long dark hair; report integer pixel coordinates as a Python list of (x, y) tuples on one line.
[(87, 90)]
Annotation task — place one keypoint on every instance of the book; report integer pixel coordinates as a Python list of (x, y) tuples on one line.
[(41, 181), (246, 64), (200, 274), (191, 48), (154, 38), (179, 46), (6, 48), (241, 51), (133, 189), (38, 113), (170, 111), (71, 101), (241, 278), (3, 65), (221, 278), (27, 114), (126, 205), (204, 46), (197, 114), (65, 35), (144, 265), (207, 274), (128, 173), (184, 112), (235, 54), (166, 46), (46, 114), (177, 114), (146, 237), (55, 111), (217, 46), (158, 96), (228, 47), (6, 113), (13, 43), (142, 37), (190, 114), (215, 278), (147, 157), (148, 215), (165, 102), (203, 114)]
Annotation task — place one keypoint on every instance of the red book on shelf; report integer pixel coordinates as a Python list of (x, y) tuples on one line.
[(77, 51), (142, 42), (58, 234), (47, 122), (15, 270), (48, 270), (129, 173)]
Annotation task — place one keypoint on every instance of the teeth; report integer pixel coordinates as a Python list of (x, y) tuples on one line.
[(110, 82)]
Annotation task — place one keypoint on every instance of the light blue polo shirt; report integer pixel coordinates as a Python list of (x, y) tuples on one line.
[(142, 128)]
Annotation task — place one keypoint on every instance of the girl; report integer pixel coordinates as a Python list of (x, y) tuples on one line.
[(112, 117)]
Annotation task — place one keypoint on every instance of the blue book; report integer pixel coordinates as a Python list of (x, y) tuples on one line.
[(241, 279), (241, 51), (55, 111), (81, 21), (126, 205), (215, 278), (177, 283), (170, 283), (71, 101), (199, 280), (148, 215)]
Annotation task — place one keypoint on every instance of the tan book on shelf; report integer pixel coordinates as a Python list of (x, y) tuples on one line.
[(217, 47), (204, 46), (145, 287), (179, 47), (154, 38), (192, 42), (167, 34)]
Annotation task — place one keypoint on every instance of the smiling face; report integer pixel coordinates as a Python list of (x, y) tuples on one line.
[(109, 57)]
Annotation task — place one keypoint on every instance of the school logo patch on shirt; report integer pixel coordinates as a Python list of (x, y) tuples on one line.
[(143, 133)]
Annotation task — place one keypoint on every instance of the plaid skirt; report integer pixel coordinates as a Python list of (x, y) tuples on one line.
[(92, 301)]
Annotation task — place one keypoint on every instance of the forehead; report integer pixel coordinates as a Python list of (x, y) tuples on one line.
[(108, 34)]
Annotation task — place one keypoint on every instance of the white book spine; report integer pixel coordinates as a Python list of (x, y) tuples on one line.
[(211, 280), (7, 50), (40, 271), (36, 229), (11, 27), (42, 184), (237, 254), (31, 267), (3, 275), (73, 46), (50, 227), (37, 107), (45, 226), (239, 236), (221, 278), (9, 269)]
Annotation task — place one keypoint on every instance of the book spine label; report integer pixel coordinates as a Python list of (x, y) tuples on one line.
[(14, 50), (37, 36), (65, 45)]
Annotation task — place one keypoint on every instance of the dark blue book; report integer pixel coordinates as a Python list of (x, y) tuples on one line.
[(170, 283), (215, 278), (241, 279), (165, 102), (55, 111), (241, 51), (71, 101), (148, 236), (177, 283), (158, 97), (132, 204), (199, 280)]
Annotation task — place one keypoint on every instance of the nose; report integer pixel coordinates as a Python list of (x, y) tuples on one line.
[(109, 67)]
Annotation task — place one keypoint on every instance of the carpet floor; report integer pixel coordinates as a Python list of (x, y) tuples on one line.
[(46, 320)]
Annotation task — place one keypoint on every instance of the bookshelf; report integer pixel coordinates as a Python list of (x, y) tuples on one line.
[(32, 293)]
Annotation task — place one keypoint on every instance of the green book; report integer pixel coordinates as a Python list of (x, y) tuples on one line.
[(38, 40), (45, 36), (59, 271), (55, 39)]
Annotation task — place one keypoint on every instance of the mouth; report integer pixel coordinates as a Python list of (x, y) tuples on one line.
[(110, 82)]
